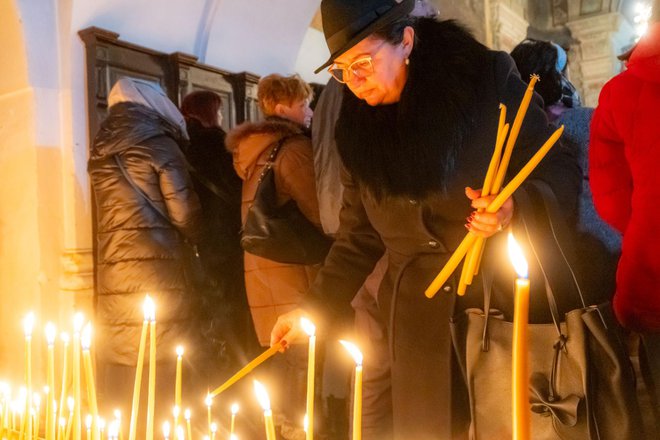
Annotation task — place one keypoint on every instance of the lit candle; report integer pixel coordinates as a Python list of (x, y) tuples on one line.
[(61, 427), (148, 311), (21, 407), (520, 378), (209, 402), (65, 374), (357, 392), (86, 342), (71, 405), (151, 396), (214, 429), (186, 415), (36, 402), (28, 325), (264, 401), (88, 425), (310, 329), (179, 433), (113, 430), (117, 414), (51, 333), (101, 426), (166, 430), (78, 322), (177, 386), (234, 411)]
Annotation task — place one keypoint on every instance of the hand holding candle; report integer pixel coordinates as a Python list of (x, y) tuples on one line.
[(356, 354), (520, 376)]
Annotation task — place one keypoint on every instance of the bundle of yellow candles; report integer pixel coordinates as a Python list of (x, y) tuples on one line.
[(472, 246)]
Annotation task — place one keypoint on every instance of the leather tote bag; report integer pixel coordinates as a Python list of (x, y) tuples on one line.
[(281, 233), (582, 384)]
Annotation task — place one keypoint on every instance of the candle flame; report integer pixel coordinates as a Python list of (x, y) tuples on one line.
[(113, 430), (180, 433), (179, 350), (86, 336), (209, 400), (28, 324), (36, 400), (176, 411), (233, 437), (78, 321), (88, 421), (64, 336), (214, 427), (234, 408), (262, 395), (117, 413), (70, 403), (517, 257), (353, 350), (187, 414), (149, 309), (306, 423), (62, 422), (307, 326), (166, 429), (51, 333), (101, 424)]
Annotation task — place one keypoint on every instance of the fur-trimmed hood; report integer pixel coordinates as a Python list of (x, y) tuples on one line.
[(409, 148), (248, 141)]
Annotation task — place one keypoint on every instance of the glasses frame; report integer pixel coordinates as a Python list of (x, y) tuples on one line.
[(350, 70)]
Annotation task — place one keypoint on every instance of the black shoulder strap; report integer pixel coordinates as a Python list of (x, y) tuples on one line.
[(277, 145), (206, 182)]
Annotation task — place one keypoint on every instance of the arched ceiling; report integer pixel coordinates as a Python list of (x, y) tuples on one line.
[(260, 36)]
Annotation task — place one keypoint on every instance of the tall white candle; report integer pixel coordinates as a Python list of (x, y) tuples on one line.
[(310, 329), (357, 389)]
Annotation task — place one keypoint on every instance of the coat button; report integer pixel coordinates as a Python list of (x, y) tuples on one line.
[(447, 288), (433, 244)]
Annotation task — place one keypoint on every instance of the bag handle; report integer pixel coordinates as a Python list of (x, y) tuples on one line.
[(271, 157)]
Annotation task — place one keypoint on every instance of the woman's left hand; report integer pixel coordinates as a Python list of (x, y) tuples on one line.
[(486, 224)]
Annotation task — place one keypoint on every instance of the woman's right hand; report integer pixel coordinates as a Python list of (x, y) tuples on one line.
[(288, 330)]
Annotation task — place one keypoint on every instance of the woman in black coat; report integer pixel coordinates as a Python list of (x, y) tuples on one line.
[(415, 134), (229, 331), (141, 244)]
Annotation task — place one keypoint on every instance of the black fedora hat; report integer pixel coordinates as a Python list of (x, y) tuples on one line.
[(347, 22)]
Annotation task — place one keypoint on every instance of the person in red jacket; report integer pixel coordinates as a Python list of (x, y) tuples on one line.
[(624, 154)]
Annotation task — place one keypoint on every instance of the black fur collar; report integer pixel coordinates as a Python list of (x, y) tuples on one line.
[(408, 148)]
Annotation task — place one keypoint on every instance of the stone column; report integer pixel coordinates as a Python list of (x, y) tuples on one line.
[(508, 24), (599, 39)]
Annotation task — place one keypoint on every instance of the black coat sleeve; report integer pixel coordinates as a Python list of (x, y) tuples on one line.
[(352, 257)]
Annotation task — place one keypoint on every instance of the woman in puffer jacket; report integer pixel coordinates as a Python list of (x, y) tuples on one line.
[(141, 244), (272, 287)]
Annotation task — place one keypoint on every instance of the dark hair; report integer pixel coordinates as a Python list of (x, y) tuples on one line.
[(539, 57), (393, 32), (203, 106)]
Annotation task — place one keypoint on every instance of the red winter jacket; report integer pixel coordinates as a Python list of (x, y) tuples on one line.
[(624, 161)]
